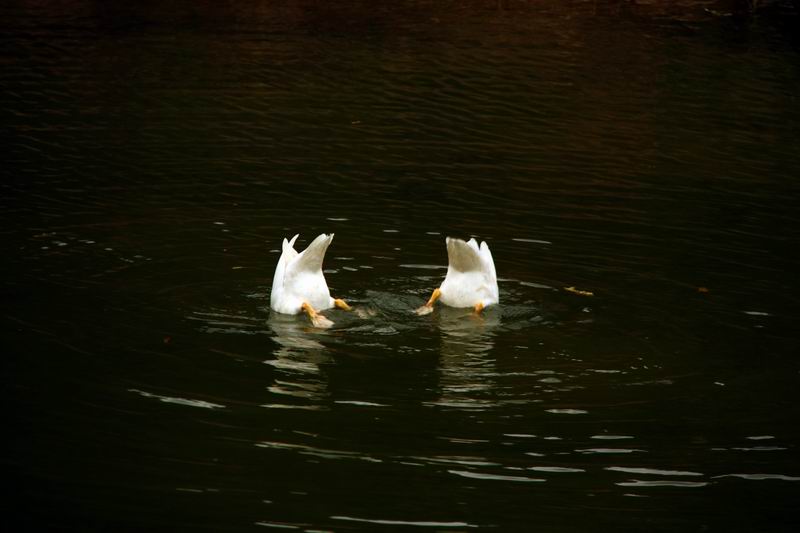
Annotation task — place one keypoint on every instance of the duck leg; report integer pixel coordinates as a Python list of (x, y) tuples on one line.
[(341, 304), (428, 307), (317, 320), (478, 307)]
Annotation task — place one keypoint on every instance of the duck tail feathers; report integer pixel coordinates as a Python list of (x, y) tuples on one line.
[(486, 256), (287, 250), (311, 258), (462, 256)]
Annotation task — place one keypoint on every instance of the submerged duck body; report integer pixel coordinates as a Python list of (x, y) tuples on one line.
[(471, 279), (299, 284)]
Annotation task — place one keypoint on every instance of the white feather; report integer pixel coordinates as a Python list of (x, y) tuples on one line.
[(298, 277), (471, 278)]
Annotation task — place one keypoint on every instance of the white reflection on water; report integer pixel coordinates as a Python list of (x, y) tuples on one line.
[(292, 334), (324, 453), (179, 401), (418, 523), (684, 484), (556, 469), (652, 471), (459, 460), (281, 525), (466, 369), (298, 357), (360, 403), (496, 477), (609, 450), (761, 477)]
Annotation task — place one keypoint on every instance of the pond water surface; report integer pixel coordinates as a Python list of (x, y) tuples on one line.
[(155, 158)]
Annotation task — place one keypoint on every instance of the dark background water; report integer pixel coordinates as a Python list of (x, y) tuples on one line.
[(156, 154)]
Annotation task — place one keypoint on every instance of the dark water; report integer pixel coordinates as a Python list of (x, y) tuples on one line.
[(155, 156)]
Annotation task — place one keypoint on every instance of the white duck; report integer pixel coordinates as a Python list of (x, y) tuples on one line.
[(299, 285), (471, 279)]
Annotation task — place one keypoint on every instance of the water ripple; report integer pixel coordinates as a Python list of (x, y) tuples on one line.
[(761, 477), (652, 471), (495, 477), (413, 523), (648, 484), (179, 401)]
